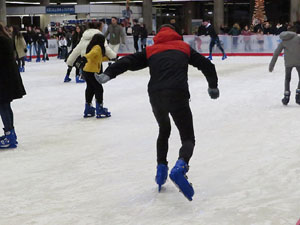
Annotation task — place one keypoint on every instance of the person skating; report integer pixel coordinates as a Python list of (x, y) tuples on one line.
[(93, 61), (116, 35), (19, 47), (291, 46), (80, 49), (42, 44), (169, 94), (11, 87), (214, 39), (136, 33), (75, 40)]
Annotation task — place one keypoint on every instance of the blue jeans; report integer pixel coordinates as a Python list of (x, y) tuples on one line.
[(30, 49), (212, 44), (39, 48), (7, 116)]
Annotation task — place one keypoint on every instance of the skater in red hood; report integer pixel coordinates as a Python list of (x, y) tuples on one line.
[(168, 60)]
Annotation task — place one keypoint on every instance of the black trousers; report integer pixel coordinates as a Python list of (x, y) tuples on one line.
[(214, 41), (135, 41), (7, 116), (169, 102), (288, 76), (21, 62), (92, 88), (70, 69)]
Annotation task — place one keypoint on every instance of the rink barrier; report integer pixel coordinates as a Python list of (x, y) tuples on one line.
[(254, 45)]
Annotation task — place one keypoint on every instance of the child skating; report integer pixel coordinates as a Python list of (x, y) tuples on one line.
[(168, 60), (291, 45), (93, 60)]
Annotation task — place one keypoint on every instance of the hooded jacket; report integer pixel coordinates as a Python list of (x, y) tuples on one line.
[(80, 49), (291, 45), (168, 60)]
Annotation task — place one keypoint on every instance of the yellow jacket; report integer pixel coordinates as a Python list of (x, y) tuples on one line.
[(94, 60)]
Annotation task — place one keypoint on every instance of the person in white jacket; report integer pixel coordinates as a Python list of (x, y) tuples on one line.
[(80, 50)]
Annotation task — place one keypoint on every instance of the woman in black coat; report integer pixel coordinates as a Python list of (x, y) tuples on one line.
[(11, 87)]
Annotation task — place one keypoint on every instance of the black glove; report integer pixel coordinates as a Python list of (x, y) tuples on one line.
[(214, 93), (80, 63), (25, 50)]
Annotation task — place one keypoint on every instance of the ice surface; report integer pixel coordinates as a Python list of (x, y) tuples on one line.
[(68, 170)]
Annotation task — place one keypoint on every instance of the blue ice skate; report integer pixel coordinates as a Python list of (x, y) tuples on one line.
[(224, 57), (101, 112), (179, 178), (286, 98), (14, 134), (89, 111), (78, 80), (23, 69), (298, 96), (9, 140), (67, 79), (210, 57), (161, 175), (38, 60)]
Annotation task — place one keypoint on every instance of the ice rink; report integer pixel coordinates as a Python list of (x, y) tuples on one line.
[(68, 170)]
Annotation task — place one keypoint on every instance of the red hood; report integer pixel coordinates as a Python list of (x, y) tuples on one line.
[(166, 34)]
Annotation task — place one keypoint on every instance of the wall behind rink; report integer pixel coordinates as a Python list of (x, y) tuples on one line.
[(254, 45)]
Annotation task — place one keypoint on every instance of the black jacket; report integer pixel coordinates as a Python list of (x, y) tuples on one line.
[(11, 85), (143, 32), (76, 37), (29, 37), (136, 30), (211, 31), (41, 39), (168, 60)]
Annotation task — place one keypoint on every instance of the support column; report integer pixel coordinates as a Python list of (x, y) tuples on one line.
[(147, 14), (82, 15), (45, 2), (189, 14), (295, 10), (3, 12), (45, 18), (218, 14)]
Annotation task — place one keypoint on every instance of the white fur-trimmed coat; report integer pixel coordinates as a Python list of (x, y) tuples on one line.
[(80, 49)]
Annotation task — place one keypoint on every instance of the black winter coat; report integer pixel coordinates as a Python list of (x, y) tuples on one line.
[(211, 31), (136, 30), (168, 60), (11, 85), (143, 32)]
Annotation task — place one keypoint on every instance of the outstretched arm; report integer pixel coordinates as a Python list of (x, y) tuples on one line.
[(275, 56), (207, 68), (132, 62), (136, 61)]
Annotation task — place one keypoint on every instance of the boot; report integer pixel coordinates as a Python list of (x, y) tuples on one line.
[(67, 79), (179, 178), (298, 96), (38, 60), (89, 111), (161, 175), (9, 141), (78, 80), (101, 112), (210, 57), (286, 97), (14, 134), (224, 56)]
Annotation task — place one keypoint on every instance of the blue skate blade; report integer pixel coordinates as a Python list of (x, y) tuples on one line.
[(184, 186), (159, 188), (8, 146)]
